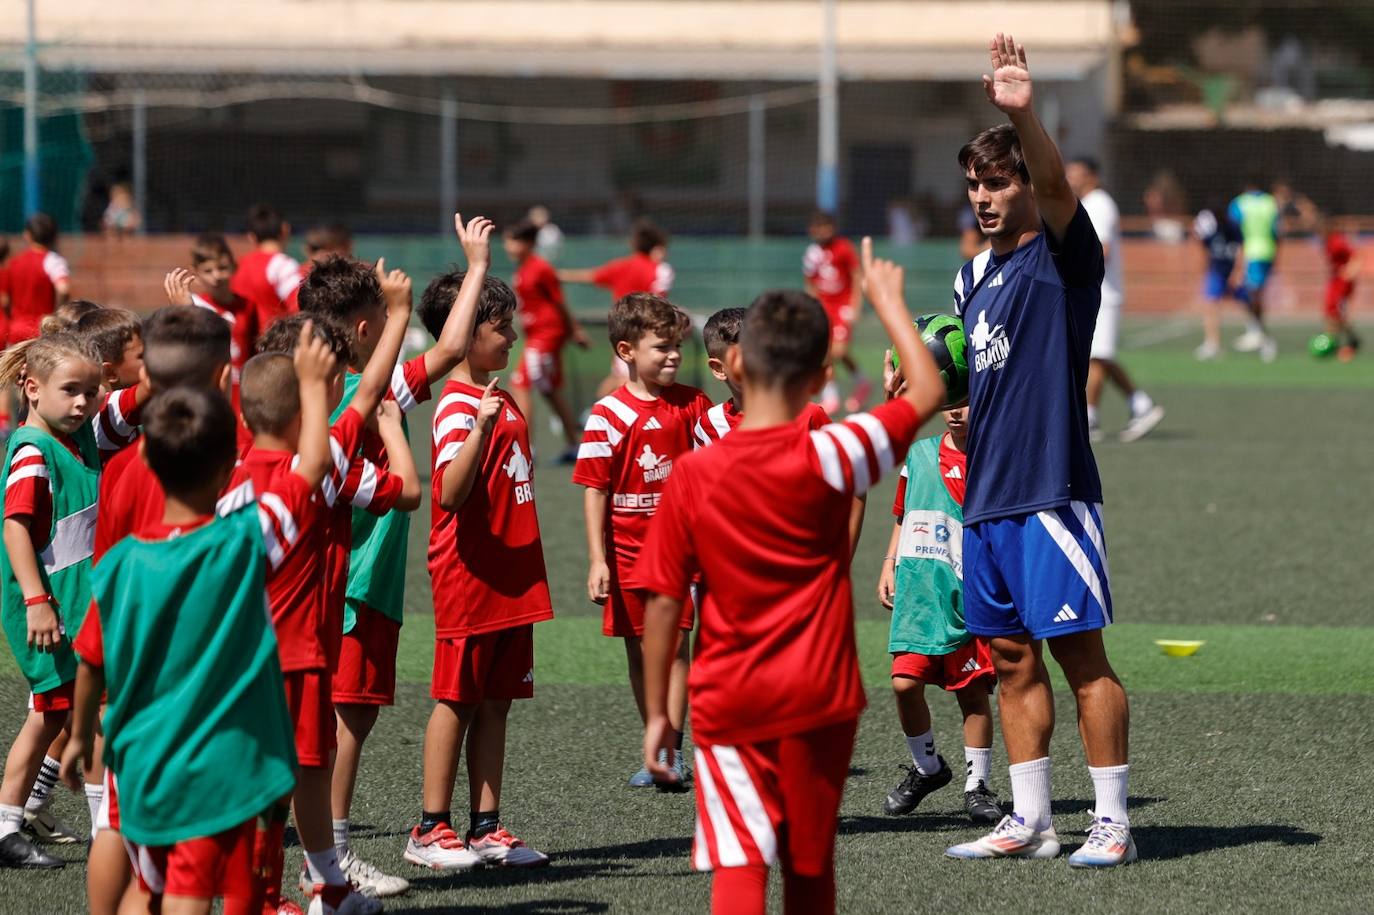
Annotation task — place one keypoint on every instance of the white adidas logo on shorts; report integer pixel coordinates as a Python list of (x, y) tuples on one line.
[(969, 666), (1065, 615)]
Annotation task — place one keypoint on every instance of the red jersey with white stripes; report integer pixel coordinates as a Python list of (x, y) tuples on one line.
[(628, 451), (32, 278), (541, 304), (242, 319), (117, 424), (720, 421), (267, 280), (830, 270), (486, 561), (636, 273), (778, 605)]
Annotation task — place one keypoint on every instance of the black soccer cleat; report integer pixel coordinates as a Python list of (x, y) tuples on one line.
[(18, 851), (905, 797), (983, 804)]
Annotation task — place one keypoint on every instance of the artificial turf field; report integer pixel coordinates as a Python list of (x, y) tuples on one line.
[(1244, 520)]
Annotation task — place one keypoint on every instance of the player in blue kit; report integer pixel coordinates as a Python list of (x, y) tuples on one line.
[(1221, 237), (1035, 564)]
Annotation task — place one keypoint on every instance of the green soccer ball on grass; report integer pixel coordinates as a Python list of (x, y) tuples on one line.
[(1322, 345), (943, 336)]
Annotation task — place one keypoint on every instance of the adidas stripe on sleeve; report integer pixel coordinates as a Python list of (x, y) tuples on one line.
[(116, 425), (454, 421), (853, 455)]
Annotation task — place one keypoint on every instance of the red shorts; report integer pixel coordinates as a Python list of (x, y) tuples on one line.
[(772, 802), (367, 660), (107, 816), (202, 868), (493, 665), (1338, 294), (972, 661), (841, 321), (57, 699), (312, 714), (623, 615), (541, 368)]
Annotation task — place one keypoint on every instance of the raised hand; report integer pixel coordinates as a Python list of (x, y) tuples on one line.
[(882, 279), (177, 285), (489, 406), (396, 291), (475, 238), (1009, 86)]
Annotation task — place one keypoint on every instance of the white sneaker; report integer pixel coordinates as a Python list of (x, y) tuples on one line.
[(47, 828), (1011, 838), (1140, 426), (329, 900), (501, 849), (1108, 845), (440, 849), (1268, 350), (366, 876), (1207, 352), (1248, 342)]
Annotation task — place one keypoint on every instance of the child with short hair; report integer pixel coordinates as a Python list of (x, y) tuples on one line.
[(773, 739), (267, 276), (486, 565), (632, 438), (50, 477), (38, 280), (548, 325), (921, 583), (214, 267)]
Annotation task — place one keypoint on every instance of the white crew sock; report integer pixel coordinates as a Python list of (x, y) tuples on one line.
[(42, 786), (978, 766), (341, 837), (1030, 792), (95, 794), (1092, 416), (1109, 786), (10, 819), (1141, 403), (324, 867), (922, 748)]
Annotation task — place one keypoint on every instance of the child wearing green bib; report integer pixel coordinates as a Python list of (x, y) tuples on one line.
[(51, 476), (921, 583)]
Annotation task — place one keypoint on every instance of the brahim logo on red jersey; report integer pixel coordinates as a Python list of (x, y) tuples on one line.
[(655, 466), (518, 469)]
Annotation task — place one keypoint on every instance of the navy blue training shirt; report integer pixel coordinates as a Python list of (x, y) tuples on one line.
[(1029, 317)]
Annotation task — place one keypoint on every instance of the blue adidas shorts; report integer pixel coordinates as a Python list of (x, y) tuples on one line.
[(1043, 573), (1216, 284)]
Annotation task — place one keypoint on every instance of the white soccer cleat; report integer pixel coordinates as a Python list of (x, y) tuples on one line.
[(1207, 352), (329, 900), (1011, 838), (440, 849), (501, 849), (48, 829), (1268, 350), (1248, 342), (1140, 426), (1108, 845), (367, 876)]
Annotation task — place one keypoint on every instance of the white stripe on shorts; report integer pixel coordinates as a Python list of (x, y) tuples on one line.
[(1074, 553)]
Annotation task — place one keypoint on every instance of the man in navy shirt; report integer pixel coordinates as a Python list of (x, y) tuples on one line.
[(1035, 565)]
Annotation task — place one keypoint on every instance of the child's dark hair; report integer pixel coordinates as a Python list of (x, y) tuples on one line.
[(269, 394), (185, 346), (264, 222), (523, 231), (645, 237), (641, 313), (109, 332), (822, 218), (329, 236), (189, 436), (722, 331), (285, 334), (38, 357), (210, 246), (497, 301), (42, 228), (340, 287), (785, 337), (995, 151)]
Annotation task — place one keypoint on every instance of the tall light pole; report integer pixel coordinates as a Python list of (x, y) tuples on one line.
[(31, 195), (828, 153)]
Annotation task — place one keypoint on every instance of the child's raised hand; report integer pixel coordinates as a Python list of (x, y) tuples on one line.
[(475, 238), (314, 360), (177, 285), (396, 288), (489, 406), (883, 279)]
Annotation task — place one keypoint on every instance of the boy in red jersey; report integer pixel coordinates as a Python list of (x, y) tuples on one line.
[(773, 739), (214, 267), (486, 564), (831, 270), (37, 280), (267, 276), (308, 627), (548, 325), (632, 438), (1345, 269)]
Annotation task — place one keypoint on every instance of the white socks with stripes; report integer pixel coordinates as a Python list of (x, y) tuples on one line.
[(42, 786), (978, 766), (922, 748)]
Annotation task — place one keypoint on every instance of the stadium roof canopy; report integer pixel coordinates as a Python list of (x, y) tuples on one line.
[(617, 39)]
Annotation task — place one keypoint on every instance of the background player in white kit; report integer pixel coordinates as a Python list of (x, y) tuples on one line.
[(1084, 178)]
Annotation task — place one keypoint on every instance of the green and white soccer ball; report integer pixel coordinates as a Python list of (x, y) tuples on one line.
[(943, 336)]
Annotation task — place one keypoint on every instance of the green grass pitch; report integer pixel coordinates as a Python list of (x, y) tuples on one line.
[(1244, 521)]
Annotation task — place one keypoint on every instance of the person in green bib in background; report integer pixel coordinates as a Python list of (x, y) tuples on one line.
[(1256, 212), (922, 584), (51, 476)]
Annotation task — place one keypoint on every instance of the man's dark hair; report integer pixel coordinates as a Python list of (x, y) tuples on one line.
[(328, 236), (523, 231), (340, 287), (264, 222), (185, 347), (722, 331), (42, 228), (283, 335), (189, 436), (497, 301), (645, 237), (1087, 162), (269, 393), (785, 338), (641, 313), (210, 246), (995, 151)]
